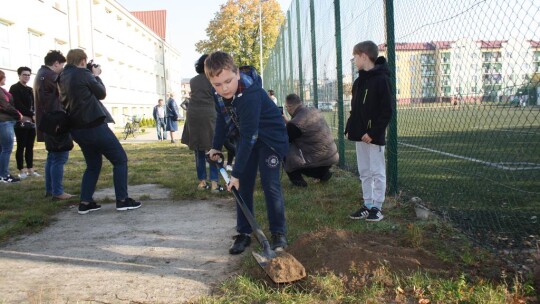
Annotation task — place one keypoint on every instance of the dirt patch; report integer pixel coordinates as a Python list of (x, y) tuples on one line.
[(360, 255)]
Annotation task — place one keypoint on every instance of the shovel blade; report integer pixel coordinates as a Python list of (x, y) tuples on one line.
[(284, 268)]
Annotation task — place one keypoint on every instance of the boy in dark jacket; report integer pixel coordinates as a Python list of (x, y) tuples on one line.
[(262, 143), (371, 111)]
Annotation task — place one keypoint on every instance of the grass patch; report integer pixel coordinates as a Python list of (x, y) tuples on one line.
[(24, 209)]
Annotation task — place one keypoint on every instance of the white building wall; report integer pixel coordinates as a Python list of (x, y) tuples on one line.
[(466, 68), (517, 68), (138, 66)]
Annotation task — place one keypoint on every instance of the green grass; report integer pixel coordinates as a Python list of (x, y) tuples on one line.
[(23, 209), (478, 165)]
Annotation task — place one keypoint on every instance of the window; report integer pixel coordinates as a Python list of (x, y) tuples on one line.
[(5, 58), (34, 44)]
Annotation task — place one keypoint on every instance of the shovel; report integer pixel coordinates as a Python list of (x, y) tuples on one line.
[(279, 265)]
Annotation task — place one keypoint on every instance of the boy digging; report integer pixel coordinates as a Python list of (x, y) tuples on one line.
[(370, 114), (262, 145)]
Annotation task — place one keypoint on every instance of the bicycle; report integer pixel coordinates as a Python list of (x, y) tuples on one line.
[(132, 125)]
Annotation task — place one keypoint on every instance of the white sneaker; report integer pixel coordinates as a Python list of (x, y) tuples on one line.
[(228, 168), (34, 174), (23, 175)]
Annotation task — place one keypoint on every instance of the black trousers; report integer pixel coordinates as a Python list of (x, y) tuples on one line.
[(316, 172), (231, 150), (25, 147)]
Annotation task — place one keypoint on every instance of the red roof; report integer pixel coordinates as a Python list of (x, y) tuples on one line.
[(492, 44), (155, 20)]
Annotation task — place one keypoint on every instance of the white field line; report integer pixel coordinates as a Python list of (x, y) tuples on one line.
[(503, 166)]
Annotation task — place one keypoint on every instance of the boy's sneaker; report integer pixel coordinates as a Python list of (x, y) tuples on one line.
[(22, 175), (127, 204), (278, 241), (360, 214), (375, 215), (10, 179), (85, 208), (241, 241)]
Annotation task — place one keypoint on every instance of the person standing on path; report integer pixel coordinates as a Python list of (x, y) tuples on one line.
[(201, 121), (160, 114), (59, 143), (25, 130), (172, 116), (81, 90)]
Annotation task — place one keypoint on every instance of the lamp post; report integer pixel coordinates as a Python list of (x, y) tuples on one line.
[(261, 40)]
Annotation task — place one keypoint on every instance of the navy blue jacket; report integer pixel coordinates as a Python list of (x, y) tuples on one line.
[(258, 119)]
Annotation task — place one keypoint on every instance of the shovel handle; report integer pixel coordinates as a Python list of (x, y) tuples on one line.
[(267, 251)]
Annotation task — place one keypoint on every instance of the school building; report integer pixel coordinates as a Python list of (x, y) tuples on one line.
[(139, 65)]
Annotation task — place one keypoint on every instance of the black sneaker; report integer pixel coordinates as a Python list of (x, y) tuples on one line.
[(278, 241), (85, 208), (127, 204), (360, 214), (326, 177), (241, 241), (299, 182), (10, 179), (375, 215)]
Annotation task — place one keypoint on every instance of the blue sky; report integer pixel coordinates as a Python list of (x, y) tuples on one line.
[(186, 23)]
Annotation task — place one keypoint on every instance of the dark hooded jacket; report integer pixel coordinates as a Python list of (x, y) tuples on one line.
[(371, 107), (257, 118), (80, 93)]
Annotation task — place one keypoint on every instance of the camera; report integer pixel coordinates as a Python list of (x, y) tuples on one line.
[(91, 65)]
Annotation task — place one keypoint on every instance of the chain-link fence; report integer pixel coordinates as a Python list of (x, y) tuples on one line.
[(466, 78)]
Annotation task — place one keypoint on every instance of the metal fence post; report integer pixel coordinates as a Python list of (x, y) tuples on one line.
[(392, 151), (291, 69), (298, 32), (339, 67), (314, 54)]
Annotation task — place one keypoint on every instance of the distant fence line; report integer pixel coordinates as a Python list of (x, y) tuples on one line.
[(466, 81)]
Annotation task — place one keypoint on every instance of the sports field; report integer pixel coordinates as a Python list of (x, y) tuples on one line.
[(477, 165)]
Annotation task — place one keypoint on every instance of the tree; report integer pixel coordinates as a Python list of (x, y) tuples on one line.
[(235, 30)]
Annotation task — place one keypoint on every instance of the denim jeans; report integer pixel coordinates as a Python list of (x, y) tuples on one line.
[(7, 136), (96, 143), (54, 172), (161, 128), (269, 165), (200, 163)]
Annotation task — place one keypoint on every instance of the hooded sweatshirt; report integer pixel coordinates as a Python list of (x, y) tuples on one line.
[(371, 107), (257, 117)]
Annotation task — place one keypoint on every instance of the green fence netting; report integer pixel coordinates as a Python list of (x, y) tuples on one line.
[(466, 136)]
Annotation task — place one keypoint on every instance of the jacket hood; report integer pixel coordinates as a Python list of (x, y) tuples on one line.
[(250, 79), (381, 68)]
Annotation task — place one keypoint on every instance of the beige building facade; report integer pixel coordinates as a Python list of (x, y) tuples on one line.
[(139, 66)]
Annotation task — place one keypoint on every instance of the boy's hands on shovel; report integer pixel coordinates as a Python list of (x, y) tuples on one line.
[(217, 156)]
